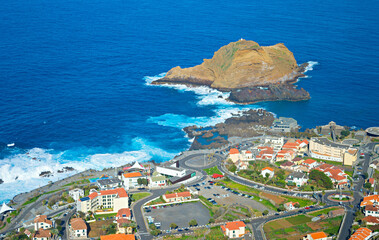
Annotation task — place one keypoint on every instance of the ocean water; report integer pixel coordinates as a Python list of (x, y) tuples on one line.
[(74, 75)]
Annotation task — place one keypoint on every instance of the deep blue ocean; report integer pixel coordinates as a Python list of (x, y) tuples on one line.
[(74, 75)]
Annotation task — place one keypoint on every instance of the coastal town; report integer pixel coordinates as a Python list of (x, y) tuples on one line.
[(272, 186)]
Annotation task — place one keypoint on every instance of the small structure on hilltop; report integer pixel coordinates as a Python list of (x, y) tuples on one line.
[(5, 208), (267, 170), (317, 236), (284, 124)]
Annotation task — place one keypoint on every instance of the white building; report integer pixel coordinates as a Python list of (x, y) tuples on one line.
[(157, 180), (76, 193), (234, 229), (78, 228), (297, 178), (131, 179), (41, 221), (171, 171), (267, 170), (371, 210), (114, 199), (109, 183), (290, 206)]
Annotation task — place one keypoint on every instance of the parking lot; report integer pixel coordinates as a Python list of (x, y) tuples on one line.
[(224, 197), (180, 215)]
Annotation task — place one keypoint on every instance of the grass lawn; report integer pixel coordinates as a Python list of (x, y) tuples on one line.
[(323, 211), (138, 196), (212, 170), (9, 220), (31, 200), (105, 216), (298, 219)]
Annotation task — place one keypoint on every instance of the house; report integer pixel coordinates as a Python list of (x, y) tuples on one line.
[(157, 180), (337, 175), (297, 160), (234, 155), (121, 226), (110, 183), (285, 155), (277, 142), (287, 165), (317, 235), (361, 234), (301, 168), (303, 145), (78, 228), (370, 200), (216, 176), (234, 229), (41, 234), (375, 164), (241, 165), (114, 199), (371, 210), (266, 153), (297, 178), (123, 213), (284, 125), (27, 233), (41, 221), (118, 237), (290, 205), (293, 146), (310, 163), (76, 193), (371, 181), (131, 179), (370, 220), (177, 197), (267, 170)]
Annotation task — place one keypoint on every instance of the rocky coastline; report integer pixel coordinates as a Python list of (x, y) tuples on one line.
[(247, 124), (250, 73)]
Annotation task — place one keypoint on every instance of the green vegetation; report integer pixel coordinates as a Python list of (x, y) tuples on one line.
[(31, 200), (321, 179), (298, 219), (137, 196), (105, 216), (9, 220), (325, 161), (77, 182), (302, 201), (212, 170), (323, 211), (157, 201)]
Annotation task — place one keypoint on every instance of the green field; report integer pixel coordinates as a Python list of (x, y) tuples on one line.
[(138, 196), (212, 170), (323, 211), (298, 219)]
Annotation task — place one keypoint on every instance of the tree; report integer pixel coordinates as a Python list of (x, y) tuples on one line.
[(54, 231), (173, 225), (345, 133), (297, 205), (367, 185), (192, 223), (265, 212), (211, 220), (156, 232), (232, 168), (365, 175), (321, 179), (281, 208)]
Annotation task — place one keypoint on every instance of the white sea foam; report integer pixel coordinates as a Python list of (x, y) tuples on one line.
[(310, 66), (181, 121), (20, 172), (205, 95)]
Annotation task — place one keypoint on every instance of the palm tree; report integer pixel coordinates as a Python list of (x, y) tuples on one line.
[(323, 194)]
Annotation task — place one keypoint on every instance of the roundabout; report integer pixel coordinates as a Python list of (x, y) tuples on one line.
[(340, 197)]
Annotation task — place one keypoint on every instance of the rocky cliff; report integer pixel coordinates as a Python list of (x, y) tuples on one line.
[(241, 64)]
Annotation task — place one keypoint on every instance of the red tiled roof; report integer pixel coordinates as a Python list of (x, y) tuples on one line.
[(118, 237), (372, 208), (78, 224), (123, 213), (234, 151), (43, 218), (41, 233), (287, 164), (318, 235), (309, 161), (371, 219), (369, 200), (361, 234), (123, 220), (371, 180), (247, 151), (119, 191), (93, 195), (215, 175), (268, 168), (181, 194), (132, 175), (234, 225)]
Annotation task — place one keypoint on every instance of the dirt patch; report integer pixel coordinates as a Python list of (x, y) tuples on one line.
[(95, 228), (277, 199), (278, 224), (314, 225)]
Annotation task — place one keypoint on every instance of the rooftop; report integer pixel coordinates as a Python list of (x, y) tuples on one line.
[(326, 142), (78, 224), (109, 181)]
